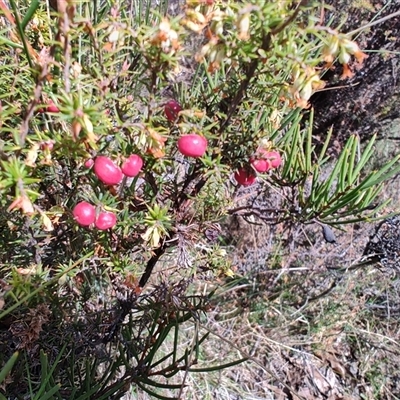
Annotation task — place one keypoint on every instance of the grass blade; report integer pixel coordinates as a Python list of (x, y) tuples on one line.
[(8, 367), (153, 394), (218, 367), (29, 14)]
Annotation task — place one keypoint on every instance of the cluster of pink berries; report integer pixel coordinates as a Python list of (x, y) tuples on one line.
[(85, 215), (190, 145), (194, 145), (262, 162), (110, 174)]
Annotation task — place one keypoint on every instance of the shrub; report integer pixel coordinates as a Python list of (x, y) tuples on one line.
[(100, 81)]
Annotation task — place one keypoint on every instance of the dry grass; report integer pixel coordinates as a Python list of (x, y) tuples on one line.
[(309, 331), (311, 325)]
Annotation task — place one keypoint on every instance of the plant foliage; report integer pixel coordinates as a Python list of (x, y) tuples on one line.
[(87, 312)]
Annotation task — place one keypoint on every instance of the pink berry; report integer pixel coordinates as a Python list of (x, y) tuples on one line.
[(50, 107), (171, 109), (261, 165), (89, 163), (107, 171), (244, 177), (274, 158), (84, 213), (132, 165), (105, 220), (192, 145)]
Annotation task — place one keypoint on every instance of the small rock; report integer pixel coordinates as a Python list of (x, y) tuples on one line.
[(329, 236)]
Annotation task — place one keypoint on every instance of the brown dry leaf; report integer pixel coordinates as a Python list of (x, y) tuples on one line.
[(281, 395), (330, 358), (108, 46), (157, 144), (133, 283), (306, 393), (319, 380), (156, 153), (27, 332), (76, 128), (23, 203), (40, 316), (2, 302), (336, 365)]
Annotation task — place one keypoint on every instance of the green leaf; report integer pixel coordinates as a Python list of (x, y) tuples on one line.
[(88, 394), (218, 367), (4, 40), (50, 282), (8, 366), (113, 389), (366, 155), (325, 147), (352, 177), (21, 33), (29, 14), (292, 119), (292, 155), (150, 382), (50, 393), (153, 394), (308, 152), (46, 373)]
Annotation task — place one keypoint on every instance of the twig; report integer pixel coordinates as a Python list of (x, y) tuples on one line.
[(371, 24), (290, 19), (31, 107), (151, 264)]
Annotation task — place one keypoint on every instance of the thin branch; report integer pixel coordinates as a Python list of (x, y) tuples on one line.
[(252, 68), (151, 264), (290, 19), (34, 102), (377, 22)]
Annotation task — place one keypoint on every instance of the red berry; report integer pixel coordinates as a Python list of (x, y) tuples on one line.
[(245, 177), (171, 109), (132, 165), (89, 163), (84, 213), (50, 107), (107, 171), (105, 220), (192, 145)]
